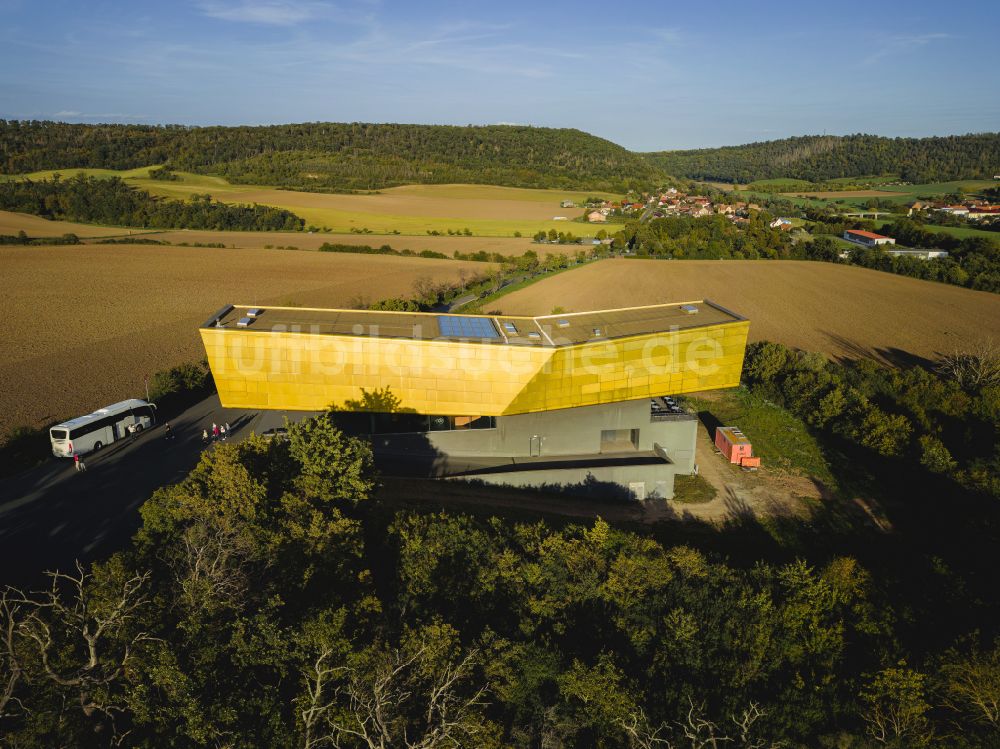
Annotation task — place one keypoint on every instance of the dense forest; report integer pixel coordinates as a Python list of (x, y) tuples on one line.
[(278, 596), (816, 158), (336, 156), (113, 202)]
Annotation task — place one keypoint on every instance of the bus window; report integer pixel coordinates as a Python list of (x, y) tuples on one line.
[(59, 434)]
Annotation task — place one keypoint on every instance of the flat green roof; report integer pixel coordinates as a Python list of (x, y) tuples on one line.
[(547, 330)]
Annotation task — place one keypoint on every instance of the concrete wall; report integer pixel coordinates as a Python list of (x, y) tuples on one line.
[(573, 431)]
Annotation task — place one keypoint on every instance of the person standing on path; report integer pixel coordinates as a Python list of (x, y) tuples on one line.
[(215, 431), (204, 436), (78, 462)]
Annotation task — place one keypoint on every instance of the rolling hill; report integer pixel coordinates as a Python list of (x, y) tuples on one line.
[(822, 157), (336, 156)]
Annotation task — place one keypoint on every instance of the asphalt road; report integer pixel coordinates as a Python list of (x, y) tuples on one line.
[(52, 515)]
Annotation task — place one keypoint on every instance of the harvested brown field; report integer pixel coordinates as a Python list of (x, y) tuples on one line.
[(843, 311), (36, 226), (305, 241), (84, 324), (844, 194)]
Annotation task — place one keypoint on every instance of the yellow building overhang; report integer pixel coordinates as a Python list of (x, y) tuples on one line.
[(309, 359)]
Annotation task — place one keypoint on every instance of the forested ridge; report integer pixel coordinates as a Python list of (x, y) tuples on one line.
[(821, 157), (335, 155), (113, 202)]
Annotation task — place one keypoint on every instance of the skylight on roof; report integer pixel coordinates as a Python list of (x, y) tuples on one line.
[(455, 326), (510, 327)]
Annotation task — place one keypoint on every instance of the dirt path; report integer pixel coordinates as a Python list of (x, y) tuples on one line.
[(747, 494)]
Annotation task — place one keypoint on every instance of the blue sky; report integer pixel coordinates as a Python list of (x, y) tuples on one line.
[(650, 76)]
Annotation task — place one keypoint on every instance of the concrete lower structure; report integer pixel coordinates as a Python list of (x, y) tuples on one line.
[(623, 447)]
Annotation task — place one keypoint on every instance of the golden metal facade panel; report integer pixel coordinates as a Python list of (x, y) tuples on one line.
[(302, 371)]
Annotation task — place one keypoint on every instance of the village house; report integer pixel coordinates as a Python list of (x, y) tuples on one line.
[(867, 238), (597, 217)]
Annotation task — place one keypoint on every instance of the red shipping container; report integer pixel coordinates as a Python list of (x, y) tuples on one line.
[(733, 444)]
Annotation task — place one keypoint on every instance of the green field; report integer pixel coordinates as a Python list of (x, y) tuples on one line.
[(416, 210), (959, 231)]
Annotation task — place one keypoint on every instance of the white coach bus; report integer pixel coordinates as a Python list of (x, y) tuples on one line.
[(90, 433)]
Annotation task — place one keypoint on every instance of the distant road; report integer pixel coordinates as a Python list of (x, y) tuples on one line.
[(51, 515), (650, 207)]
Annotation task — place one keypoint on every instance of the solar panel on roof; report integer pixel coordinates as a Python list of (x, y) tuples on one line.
[(455, 326)]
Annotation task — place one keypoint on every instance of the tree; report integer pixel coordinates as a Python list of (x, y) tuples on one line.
[(975, 368), (11, 671), (764, 361), (423, 695), (884, 433), (332, 466), (971, 685), (82, 636), (934, 456), (894, 708)]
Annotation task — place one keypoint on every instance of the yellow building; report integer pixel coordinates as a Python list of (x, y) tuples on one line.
[(471, 365)]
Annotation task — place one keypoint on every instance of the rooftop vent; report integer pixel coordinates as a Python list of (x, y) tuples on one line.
[(597, 331), (244, 322), (254, 312), (689, 309)]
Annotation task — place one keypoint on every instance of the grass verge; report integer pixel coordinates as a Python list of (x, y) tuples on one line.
[(693, 490), (782, 440)]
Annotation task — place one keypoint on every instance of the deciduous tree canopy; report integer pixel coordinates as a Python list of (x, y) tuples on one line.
[(336, 155), (816, 158)]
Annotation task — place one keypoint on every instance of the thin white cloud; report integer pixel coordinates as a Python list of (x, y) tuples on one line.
[(267, 12), (670, 36), (898, 43), (104, 116)]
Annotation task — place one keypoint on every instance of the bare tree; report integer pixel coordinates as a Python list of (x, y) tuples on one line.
[(643, 735), (383, 700), (211, 567), (80, 634), (11, 671), (320, 699), (695, 731), (976, 367)]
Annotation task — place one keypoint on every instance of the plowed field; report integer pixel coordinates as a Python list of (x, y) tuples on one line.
[(82, 325), (843, 311)]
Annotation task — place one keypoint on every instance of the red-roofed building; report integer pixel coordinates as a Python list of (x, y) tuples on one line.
[(985, 212), (867, 238)]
